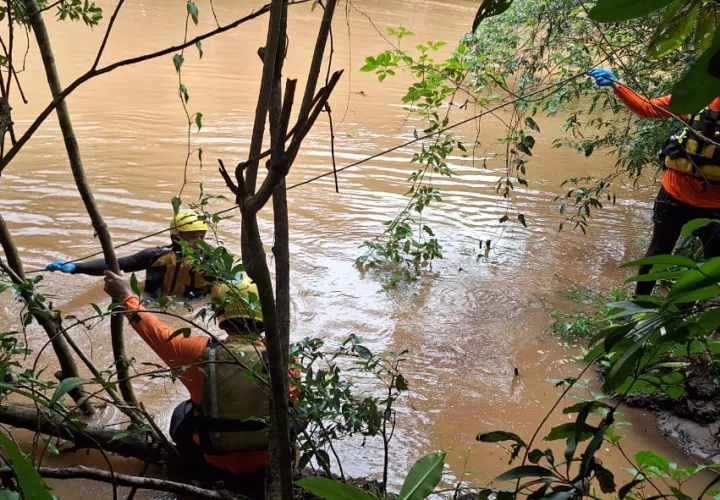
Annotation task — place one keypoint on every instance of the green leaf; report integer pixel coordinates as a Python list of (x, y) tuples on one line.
[(576, 408), (714, 65), (710, 320), (567, 430), (9, 495), (707, 274), (694, 225), (531, 124), (675, 26), (30, 482), (401, 383), (362, 351), (119, 436), (525, 471), (370, 65), (184, 92), (490, 8), (645, 459), (198, 120), (535, 456), (66, 386), (623, 10), (704, 30), (708, 292), (604, 477), (423, 477), (697, 88), (629, 487), (523, 148), (198, 45), (192, 11), (97, 309), (499, 437), (663, 260), (178, 61), (176, 203), (332, 490), (623, 367), (135, 286)]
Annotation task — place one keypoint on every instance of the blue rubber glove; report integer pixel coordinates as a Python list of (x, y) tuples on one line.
[(60, 265), (603, 77)]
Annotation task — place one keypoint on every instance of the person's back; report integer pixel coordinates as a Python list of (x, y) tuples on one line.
[(221, 431)]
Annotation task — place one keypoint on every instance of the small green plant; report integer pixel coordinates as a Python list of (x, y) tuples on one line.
[(582, 325), (408, 244)]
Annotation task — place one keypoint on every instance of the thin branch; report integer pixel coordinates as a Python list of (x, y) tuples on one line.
[(263, 102), (82, 472), (226, 177), (14, 73), (9, 51), (55, 4), (278, 172), (107, 34), (332, 146)]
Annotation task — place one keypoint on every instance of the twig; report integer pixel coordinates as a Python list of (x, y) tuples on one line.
[(228, 180), (332, 146), (55, 4), (107, 34)]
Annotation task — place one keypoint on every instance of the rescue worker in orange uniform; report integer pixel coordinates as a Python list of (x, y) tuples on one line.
[(165, 272), (221, 431), (691, 180)]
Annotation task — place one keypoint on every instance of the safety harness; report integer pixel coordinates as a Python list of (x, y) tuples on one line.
[(169, 275), (689, 152), (234, 410)]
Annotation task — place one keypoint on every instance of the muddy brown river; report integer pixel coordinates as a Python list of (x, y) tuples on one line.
[(467, 325)]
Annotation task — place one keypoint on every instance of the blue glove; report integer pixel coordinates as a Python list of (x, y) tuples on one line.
[(60, 265), (603, 77)]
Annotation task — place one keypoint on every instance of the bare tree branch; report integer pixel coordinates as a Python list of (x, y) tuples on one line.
[(263, 103)]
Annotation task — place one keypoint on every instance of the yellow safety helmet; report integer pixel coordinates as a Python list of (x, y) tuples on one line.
[(238, 300), (183, 222)]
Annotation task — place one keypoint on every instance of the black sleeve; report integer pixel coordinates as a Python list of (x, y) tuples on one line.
[(130, 264)]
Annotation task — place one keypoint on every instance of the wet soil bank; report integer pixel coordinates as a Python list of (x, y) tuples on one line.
[(693, 421)]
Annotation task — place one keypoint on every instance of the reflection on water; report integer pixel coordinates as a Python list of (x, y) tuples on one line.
[(468, 325)]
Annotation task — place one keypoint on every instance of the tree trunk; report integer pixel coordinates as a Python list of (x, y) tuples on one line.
[(94, 438), (281, 251), (62, 350), (73, 152), (256, 263)]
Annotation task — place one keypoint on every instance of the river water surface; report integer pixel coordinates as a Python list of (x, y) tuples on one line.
[(467, 325)]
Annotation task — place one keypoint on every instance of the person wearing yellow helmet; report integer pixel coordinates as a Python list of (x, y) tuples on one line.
[(166, 273), (221, 431)]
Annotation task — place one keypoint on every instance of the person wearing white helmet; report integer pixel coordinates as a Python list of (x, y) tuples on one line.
[(166, 272)]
